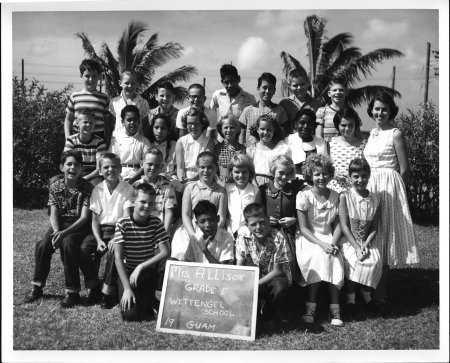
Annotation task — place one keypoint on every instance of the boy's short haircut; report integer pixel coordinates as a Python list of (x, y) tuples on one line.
[(85, 112), (385, 98), (154, 151), (315, 161), (198, 86), (307, 112), (241, 161), (90, 65), (72, 153), (268, 77), (229, 117), (166, 85), (228, 70), (205, 207), (194, 112), (254, 210), (298, 73), (357, 165), (347, 113), (110, 156), (338, 80), (207, 154), (128, 72), (129, 108), (282, 160), (145, 188)]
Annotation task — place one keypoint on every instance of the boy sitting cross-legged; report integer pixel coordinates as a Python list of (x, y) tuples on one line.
[(211, 243), (139, 266), (110, 201), (89, 144), (69, 214), (260, 245)]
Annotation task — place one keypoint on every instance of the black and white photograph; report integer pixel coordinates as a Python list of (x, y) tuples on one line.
[(216, 181)]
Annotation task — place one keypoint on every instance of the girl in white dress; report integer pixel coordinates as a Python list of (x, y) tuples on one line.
[(317, 248), (270, 144), (387, 156), (359, 215)]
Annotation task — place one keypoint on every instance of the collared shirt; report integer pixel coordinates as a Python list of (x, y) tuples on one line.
[(251, 113), (118, 103), (292, 105), (165, 195), (225, 105), (111, 206), (300, 149), (274, 251), (237, 200), (200, 191), (130, 149), (221, 247), (140, 240), (91, 151), (70, 202), (210, 114), (226, 151), (192, 148), (96, 101)]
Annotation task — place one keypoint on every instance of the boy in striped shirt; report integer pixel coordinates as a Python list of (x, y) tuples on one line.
[(140, 247), (90, 145)]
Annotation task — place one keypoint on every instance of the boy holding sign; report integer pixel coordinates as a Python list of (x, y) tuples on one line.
[(260, 245), (210, 243)]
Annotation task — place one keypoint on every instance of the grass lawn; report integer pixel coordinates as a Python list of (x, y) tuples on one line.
[(412, 323)]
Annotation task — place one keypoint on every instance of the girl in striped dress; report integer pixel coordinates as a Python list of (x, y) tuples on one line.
[(359, 216)]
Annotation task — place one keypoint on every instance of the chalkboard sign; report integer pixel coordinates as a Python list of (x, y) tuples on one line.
[(209, 299)]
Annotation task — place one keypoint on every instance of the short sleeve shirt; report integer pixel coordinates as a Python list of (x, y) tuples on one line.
[(91, 151), (221, 248), (225, 105), (118, 103), (292, 105), (210, 114), (70, 202), (274, 251)]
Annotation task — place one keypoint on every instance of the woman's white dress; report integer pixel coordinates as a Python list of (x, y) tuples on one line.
[(395, 238), (316, 265)]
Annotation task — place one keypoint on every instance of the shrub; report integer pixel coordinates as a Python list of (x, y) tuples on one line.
[(38, 136), (421, 130)]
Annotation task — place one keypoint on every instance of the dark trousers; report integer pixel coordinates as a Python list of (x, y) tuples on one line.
[(272, 297), (149, 281), (104, 264), (72, 258)]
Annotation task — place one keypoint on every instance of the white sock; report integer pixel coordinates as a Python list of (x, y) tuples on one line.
[(310, 306), (334, 307)]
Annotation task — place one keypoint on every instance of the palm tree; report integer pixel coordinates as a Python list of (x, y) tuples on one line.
[(143, 60), (329, 58)]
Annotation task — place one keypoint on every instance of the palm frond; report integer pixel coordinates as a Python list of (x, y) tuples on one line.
[(180, 94), (87, 45), (346, 58), (182, 74), (284, 88), (332, 49), (314, 30), (290, 63), (112, 74), (128, 42), (366, 63), (357, 96), (148, 47)]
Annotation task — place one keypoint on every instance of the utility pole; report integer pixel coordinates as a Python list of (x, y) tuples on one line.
[(427, 74), (204, 82), (393, 78), (23, 71)]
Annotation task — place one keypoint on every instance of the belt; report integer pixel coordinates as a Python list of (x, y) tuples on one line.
[(131, 165)]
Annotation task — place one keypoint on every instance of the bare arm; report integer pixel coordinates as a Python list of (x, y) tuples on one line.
[(179, 156), (309, 235), (222, 210), (345, 223), (68, 122), (128, 298), (373, 228), (402, 154), (186, 207), (276, 272), (101, 245), (168, 218)]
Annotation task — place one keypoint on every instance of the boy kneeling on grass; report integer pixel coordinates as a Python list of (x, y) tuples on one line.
[(139, 267), (69, 214), (260, 245)]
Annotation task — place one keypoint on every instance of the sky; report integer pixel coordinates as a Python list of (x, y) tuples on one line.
[(43, 35), (251, 39)]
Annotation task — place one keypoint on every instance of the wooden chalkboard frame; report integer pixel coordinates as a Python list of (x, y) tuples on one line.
[(231, 268)]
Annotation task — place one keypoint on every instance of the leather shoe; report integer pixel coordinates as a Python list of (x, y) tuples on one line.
[(36, 294), (95, 296), (70, 301), (107, 302)]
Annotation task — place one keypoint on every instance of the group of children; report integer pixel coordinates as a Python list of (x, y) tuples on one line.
[(165, 186)]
